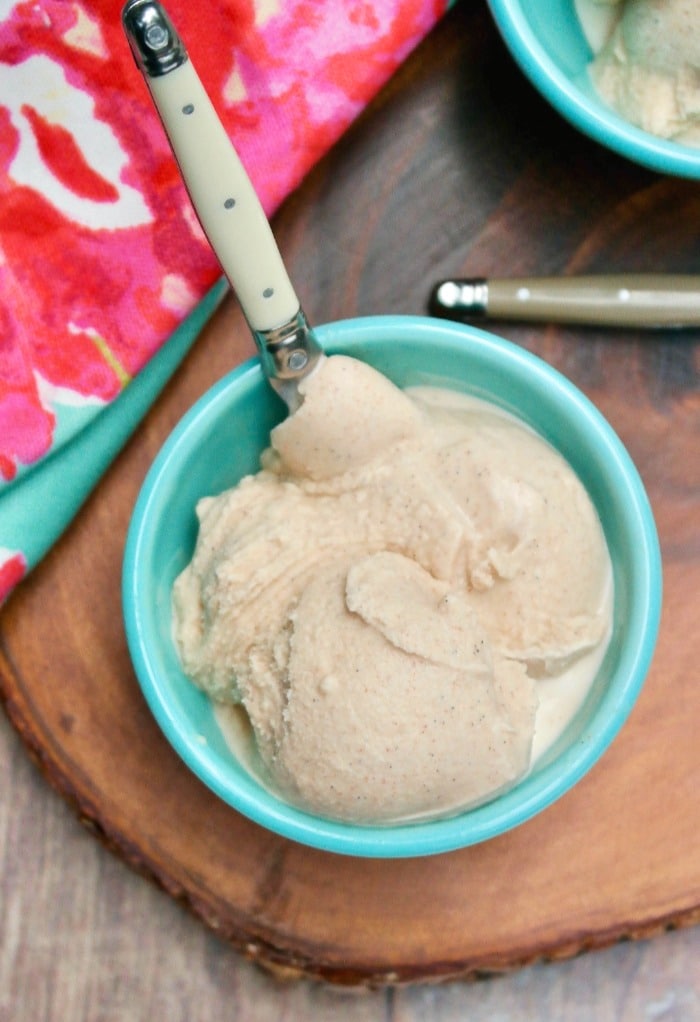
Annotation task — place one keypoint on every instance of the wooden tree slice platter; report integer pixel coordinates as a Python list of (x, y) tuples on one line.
[(619, 856)]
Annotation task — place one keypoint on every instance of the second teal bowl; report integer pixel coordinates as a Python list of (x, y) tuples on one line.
[(546, 40)]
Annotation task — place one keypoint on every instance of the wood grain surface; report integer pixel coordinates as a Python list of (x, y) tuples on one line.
[(457, 168)]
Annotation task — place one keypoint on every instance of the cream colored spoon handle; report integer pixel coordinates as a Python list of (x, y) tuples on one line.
[(627, 300), (224, 199)]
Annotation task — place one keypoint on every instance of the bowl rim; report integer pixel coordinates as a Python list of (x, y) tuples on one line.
[(527, 798), (602, 124)]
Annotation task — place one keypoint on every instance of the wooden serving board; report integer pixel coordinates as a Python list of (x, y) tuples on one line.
[(457, 168)]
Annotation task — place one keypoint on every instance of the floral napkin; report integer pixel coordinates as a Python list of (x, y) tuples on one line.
[(101, 258)]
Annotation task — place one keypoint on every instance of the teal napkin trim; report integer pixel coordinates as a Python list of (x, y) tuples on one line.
[(37, 508)]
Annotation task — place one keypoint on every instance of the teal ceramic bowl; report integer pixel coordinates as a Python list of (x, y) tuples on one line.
[(220, 439), (546, 40)]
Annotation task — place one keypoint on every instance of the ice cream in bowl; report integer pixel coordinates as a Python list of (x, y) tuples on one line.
[(624, 72), (406, 617)]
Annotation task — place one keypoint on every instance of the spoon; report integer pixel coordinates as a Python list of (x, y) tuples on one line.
[(224, 200), (624, 300)]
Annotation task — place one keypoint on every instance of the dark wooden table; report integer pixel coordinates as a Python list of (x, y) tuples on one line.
[(458, 168)]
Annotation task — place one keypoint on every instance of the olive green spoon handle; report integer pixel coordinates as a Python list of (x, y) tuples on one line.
[(622, 300)]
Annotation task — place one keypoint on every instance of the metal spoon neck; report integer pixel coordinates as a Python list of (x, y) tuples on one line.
[(289, 353)]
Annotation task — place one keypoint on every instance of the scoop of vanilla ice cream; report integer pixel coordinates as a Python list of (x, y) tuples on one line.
[(385, 594), (398, 706), (331, 434), (649, 69), (534, 533)]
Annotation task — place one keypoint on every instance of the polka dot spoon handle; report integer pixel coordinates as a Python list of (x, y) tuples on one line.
[(224, 200)]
